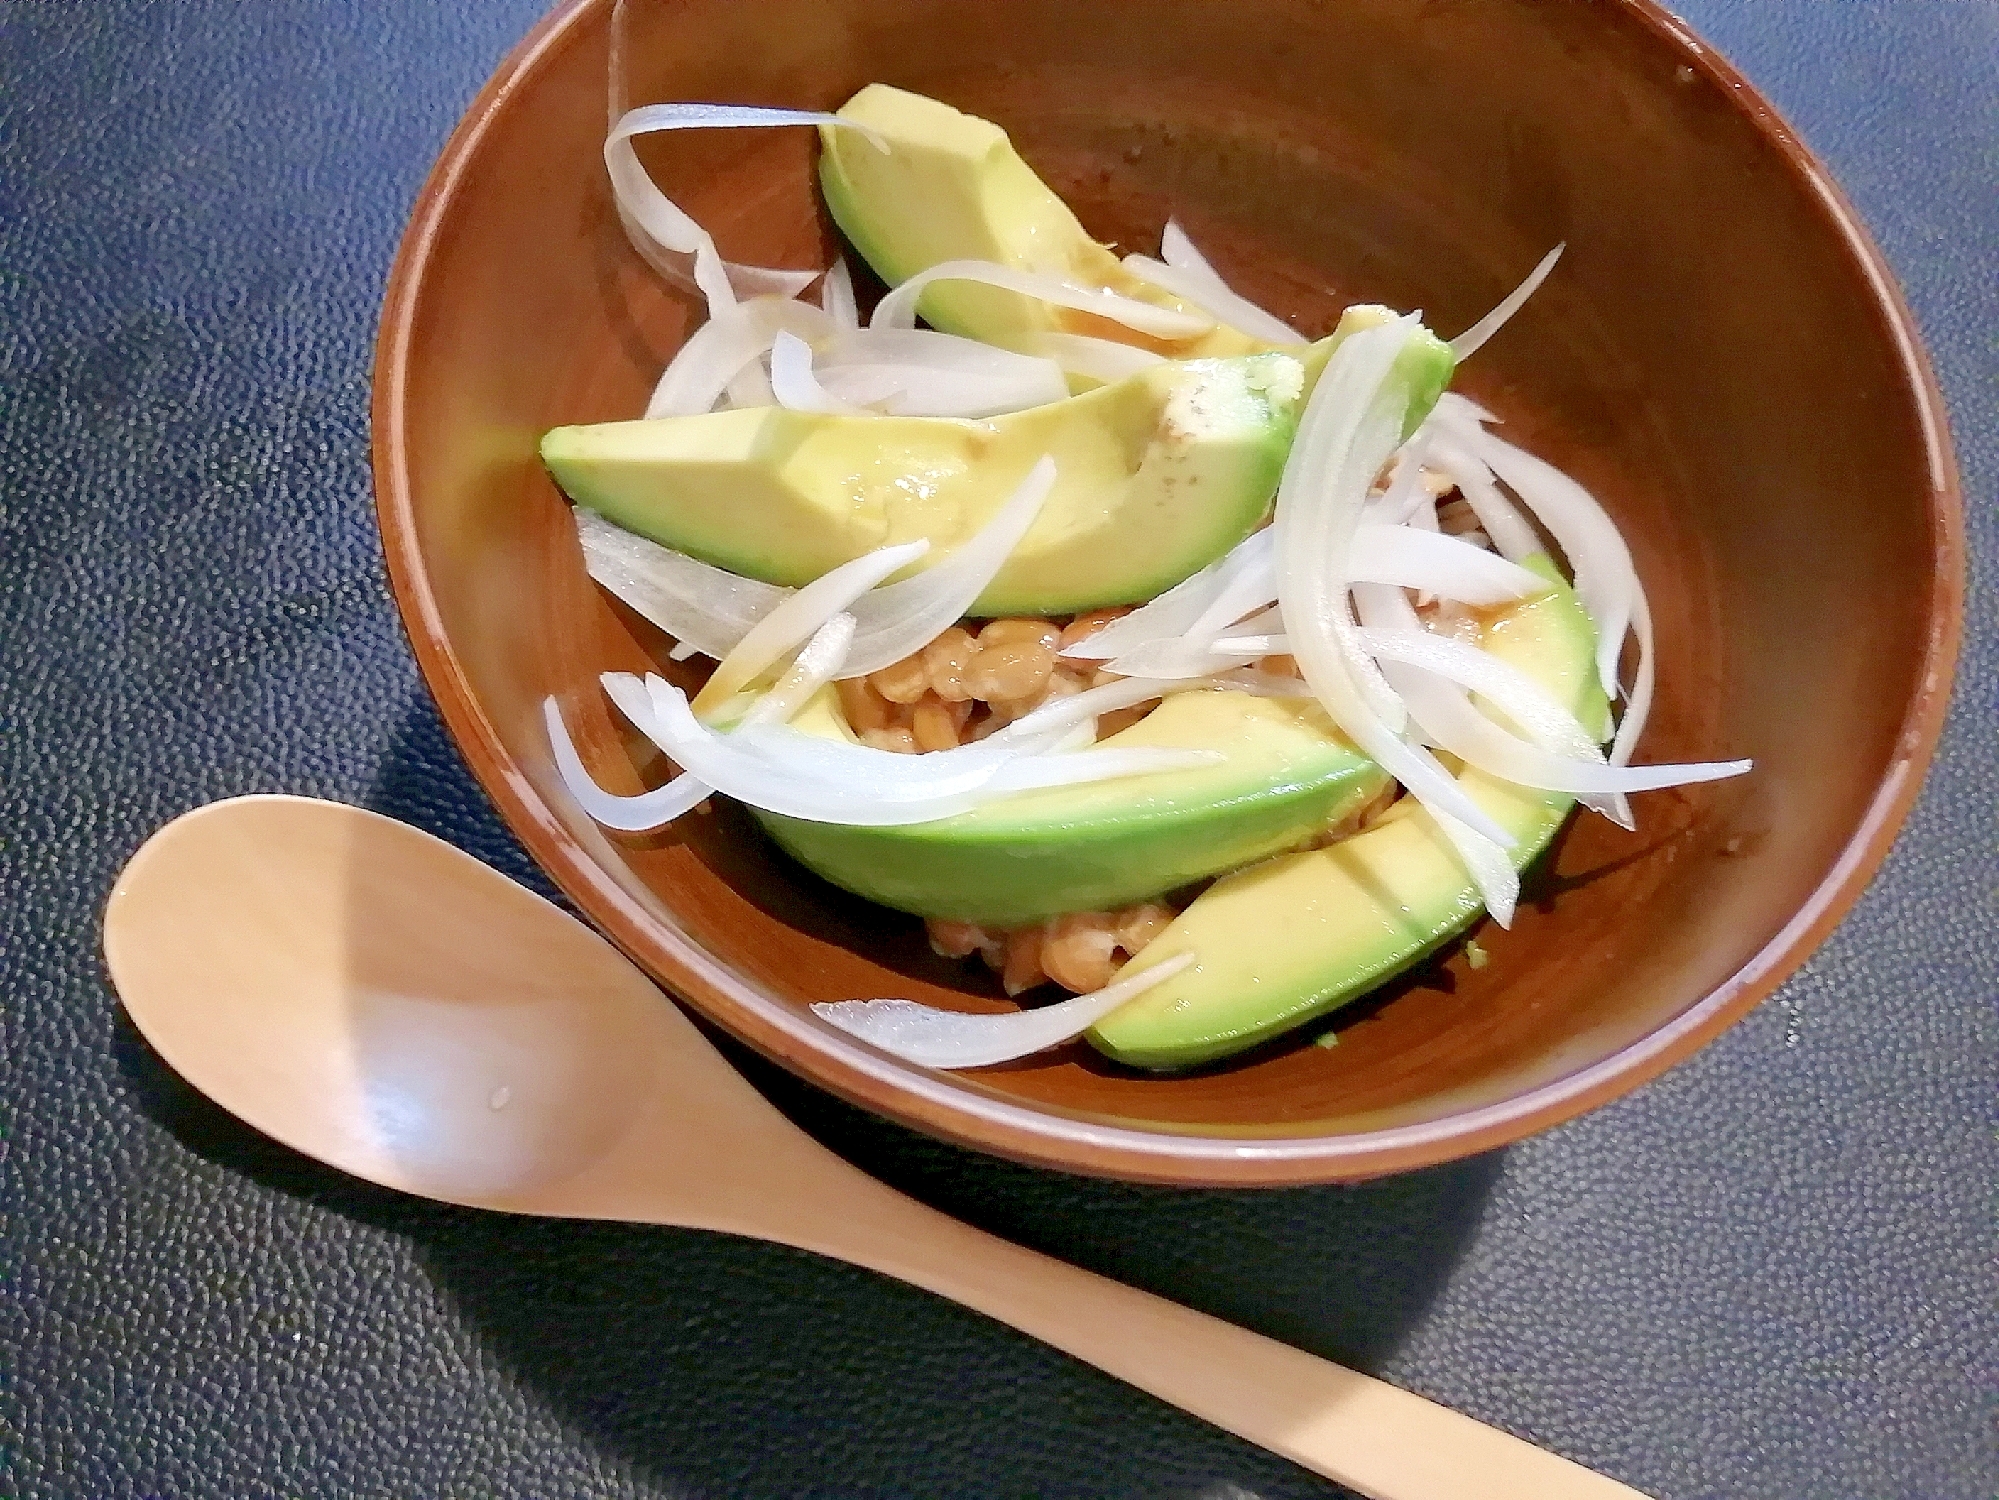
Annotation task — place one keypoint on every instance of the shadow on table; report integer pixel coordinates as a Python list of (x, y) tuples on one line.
[(717, 1366)]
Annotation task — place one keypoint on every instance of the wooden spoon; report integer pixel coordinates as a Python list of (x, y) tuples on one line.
[(381, 1001)]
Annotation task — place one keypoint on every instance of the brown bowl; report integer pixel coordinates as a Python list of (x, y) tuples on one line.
[(1722, 357)]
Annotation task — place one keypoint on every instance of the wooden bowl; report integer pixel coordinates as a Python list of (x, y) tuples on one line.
[(1722, 357)]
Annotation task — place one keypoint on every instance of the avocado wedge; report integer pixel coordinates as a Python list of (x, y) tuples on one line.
[(1158, 475), (1288, 775), (952, 187), (1292, 938)]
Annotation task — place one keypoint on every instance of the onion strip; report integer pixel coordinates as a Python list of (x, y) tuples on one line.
[(1468, 343), (935, 1038), (799, 616), (898, 308), (660, 229)]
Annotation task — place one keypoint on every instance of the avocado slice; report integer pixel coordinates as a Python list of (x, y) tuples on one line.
[(1292, 938), (1158, 475), (1289, 773), (952, 187)]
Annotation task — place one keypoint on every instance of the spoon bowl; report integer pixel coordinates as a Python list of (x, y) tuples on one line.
[(383, 1002)]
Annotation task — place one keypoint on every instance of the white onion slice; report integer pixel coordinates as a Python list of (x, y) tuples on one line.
[(714, 610), (1162, 618), (1437, 564), (1605, 580), (1488, 864), (898, 308), (1509, 530), (905, 617), (1345, 428), (1638, 707), (1468, 343), (1505, 686), (701, 606), (1252, 646), (1061, 714), (795, 386), (803, 776), (1405, 487), (865, 385), (724, 349), (754, 766), (1207, 291), (800, 615), (935, 1038), (1181, 659), (836, 295), (1104, 360), (1351, 426), (660, 229), (939, 374), (627, 814), (920, 391), (1179, 252), (817, 664)]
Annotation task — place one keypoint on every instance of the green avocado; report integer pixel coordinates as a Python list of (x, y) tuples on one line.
[(1158, 475), (1292, 938), (951, 187), (1288, 774)]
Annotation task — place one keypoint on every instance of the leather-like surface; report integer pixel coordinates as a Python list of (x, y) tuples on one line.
[(1768, 1274)]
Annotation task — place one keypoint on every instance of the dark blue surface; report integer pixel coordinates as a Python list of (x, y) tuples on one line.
[(1768, 1274)]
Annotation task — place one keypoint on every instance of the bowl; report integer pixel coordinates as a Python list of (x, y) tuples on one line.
[(1722, 357)]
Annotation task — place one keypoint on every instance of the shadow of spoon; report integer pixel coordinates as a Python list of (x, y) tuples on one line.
[(380, 1001)]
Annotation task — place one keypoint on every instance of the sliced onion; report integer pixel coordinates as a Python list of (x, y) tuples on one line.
[(660, 229), (753, 766), (1405, 487), (726, 348), (1505, 686), (714, 610), (1163, 618), (795, 386), (836, 295), (1252, 646), (939, 374), (935, 1038), (1437, 564), (800, 615), (1206, 290), (817, 664), (1319, 501), (1104, 360), (802, 776), (917, 391), (1351, 426), (703, 607), (1509, 530), (1605, 580), (906, 616), (898, 308), (1468, 343), (1062, 714), (864, 385), (1180, 659), (628, 814)]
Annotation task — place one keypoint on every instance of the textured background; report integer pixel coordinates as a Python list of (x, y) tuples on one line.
[(1768, 1274)]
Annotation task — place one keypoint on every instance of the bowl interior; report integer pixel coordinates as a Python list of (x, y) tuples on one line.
[(1716, 358)]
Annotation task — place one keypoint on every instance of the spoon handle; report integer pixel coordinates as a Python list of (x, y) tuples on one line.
[(1384, 1442)]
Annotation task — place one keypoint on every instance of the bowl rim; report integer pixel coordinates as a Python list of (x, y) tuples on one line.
[(933, 1102)]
